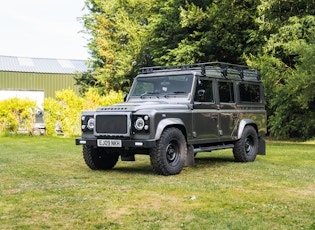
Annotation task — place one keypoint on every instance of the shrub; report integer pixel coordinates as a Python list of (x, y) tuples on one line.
[(51, 114), (65, 111), (113, 97), (93, 99), (17, 114)]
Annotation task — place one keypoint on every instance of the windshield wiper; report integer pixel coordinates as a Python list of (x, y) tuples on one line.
[(174, 93), (148, 94)]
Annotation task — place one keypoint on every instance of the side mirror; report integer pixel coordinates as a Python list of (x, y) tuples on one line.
[(125, 97), (201, 95)]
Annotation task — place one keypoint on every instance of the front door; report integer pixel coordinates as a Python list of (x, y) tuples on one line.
[(205, 114)]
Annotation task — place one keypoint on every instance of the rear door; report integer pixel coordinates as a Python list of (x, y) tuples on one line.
[(229, 114)]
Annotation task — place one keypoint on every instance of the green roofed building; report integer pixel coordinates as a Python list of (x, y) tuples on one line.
[(37, 78)]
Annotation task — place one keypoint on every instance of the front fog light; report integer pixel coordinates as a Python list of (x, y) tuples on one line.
[(139, 124), (90, 124)]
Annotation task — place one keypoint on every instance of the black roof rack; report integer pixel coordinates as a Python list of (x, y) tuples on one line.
[(222, 69)]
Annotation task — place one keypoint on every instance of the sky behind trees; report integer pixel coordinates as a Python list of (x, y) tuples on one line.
[(43, 29)]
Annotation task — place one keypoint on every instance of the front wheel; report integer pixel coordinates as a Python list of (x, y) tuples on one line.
[(168, 158), (99, 159), (246, 148)]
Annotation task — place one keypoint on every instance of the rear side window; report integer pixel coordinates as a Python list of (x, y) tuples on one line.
[(249, 93), (226, 92)]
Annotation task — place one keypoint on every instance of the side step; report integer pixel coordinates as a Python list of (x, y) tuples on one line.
[(210, 148), (191, 151)]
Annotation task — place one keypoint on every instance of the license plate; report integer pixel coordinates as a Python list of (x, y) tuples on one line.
[(108, 143)]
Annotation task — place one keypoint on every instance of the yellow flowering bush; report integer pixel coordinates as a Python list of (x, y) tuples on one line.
[(64, 112), (17, 114)]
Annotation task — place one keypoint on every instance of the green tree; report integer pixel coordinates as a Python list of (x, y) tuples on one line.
[(274, 35), (126, 35), (202, 31), (119, 32), (275, 13), (288, 65), (86, 81)]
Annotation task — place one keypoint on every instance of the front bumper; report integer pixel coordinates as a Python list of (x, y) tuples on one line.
[(125, 143)]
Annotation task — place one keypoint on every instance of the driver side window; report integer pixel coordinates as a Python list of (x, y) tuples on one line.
[(204, 91)]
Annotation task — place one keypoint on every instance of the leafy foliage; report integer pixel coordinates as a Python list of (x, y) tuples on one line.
[(287, 62), (52, 109), (274, 35), (93, 100), (189, 32), (119, 30), (129, 34), (87, 80), (65, 111), (17, 114)]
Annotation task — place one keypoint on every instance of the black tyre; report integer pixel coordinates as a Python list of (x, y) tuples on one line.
[(246, 148), (168, 158), (99, 159)]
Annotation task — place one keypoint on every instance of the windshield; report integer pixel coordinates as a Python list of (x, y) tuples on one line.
[(163, 86)]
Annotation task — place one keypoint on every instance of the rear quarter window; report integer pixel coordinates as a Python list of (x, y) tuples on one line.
[(250, 93)]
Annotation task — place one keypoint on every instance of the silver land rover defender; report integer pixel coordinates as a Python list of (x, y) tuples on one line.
[(172, 113)]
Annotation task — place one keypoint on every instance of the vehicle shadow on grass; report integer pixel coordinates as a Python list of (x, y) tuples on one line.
[(143, 168), (134, 170), (213, 161), (146, 169)]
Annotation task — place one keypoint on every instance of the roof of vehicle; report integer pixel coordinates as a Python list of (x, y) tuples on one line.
[(209, 69)]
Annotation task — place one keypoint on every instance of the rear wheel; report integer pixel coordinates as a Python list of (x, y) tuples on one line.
[(99, 159), (246, 148), (168, 158)]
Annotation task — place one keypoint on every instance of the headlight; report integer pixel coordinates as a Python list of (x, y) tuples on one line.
[(90, 124), (139, 123)]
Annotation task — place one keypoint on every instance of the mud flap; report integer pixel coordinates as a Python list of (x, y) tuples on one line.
[(261, 146), (190, 157)]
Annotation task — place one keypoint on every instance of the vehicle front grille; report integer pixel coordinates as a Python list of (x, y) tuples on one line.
[(112, 124)]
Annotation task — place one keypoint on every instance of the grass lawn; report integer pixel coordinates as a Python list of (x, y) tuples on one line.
[(45, 184)]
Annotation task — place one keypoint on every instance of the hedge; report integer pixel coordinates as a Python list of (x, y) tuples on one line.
[(17, 114), (63, 111)]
